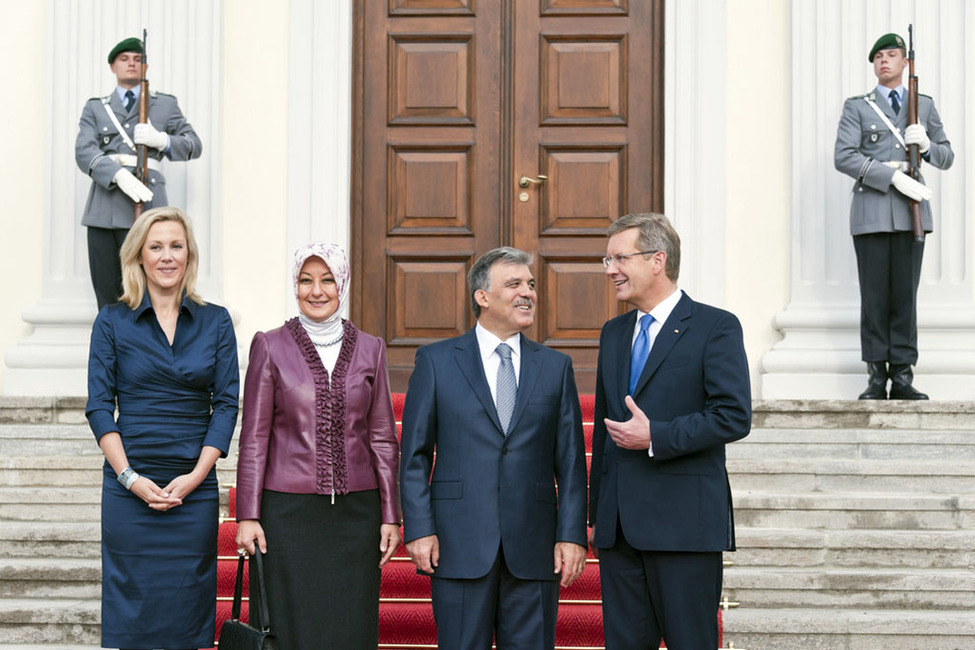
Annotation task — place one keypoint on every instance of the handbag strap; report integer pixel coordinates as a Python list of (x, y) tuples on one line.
[(265, 617), (238, 587)]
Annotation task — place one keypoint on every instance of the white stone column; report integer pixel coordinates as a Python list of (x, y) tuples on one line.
[(184, 48), (694, 142), (320, 127), (819, 354)]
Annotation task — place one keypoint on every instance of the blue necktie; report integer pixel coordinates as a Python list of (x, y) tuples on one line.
[(129, 100), (641, 350), (895, 102), (507, 387)]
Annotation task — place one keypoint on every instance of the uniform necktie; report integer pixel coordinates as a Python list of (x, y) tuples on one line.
[(507, 388), (129, 100), (895, 102), (641, 350)]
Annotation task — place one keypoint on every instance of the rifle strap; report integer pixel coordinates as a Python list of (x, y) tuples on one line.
[(111, 115), (890, 125)]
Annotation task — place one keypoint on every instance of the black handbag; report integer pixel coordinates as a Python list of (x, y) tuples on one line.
[(236, 635)]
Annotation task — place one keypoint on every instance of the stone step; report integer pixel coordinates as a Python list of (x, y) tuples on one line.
[(46, 471), (50, 539), (47, 439), (25, 621), (927, 415), (38, 578), (74, 470), (828, 475), (852, 510), (836, 628), (871, 588), (50, 504), (853, 444), (941, 549)]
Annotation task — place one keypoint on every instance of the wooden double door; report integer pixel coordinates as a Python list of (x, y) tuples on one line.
[(485, 123)]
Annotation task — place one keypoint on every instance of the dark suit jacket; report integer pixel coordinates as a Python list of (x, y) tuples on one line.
[(487, 490), (695, 391)]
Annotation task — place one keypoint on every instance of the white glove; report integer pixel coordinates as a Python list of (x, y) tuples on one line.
[(149, 136), (910, 187), (916, 134), (133, 187), (899, 165)]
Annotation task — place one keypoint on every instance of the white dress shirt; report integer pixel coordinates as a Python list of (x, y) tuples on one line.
[(660, 315), (488, 344)]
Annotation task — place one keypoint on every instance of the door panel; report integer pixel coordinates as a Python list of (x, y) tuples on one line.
[(455, 101)]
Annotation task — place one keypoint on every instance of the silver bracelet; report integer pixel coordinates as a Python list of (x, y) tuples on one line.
[(128, 477)]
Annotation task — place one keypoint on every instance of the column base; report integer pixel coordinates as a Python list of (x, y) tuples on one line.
[(53, 359), (819, 354)]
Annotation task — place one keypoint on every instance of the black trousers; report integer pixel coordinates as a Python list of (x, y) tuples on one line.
[(104, 245), (654, 595), (889, 268)]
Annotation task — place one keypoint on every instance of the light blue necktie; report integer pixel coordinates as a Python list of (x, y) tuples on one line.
[(641, 350), (507, 387)]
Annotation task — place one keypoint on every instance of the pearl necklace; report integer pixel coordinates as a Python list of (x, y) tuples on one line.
[(328, 344)]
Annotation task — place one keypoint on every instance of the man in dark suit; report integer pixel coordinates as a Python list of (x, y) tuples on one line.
[(871, 147), (672, 390), (502, 415)]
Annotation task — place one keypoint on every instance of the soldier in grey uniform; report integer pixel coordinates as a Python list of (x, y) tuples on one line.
[(871, 144), (105, 150)]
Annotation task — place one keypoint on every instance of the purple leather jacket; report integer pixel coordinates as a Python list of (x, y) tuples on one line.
[(293, 438)]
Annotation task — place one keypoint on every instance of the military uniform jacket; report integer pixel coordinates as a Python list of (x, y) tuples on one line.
[(98, 138), (864, 143)]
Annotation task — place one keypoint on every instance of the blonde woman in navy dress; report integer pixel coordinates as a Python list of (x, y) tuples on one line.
[(168, 362)]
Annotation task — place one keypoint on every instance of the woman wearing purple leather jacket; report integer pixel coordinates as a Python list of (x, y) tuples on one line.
[(318, 465)]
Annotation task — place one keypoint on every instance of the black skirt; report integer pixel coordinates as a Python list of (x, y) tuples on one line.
[(322, 570)]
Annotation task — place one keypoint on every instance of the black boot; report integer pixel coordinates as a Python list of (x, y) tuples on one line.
[(877, 386), (901, 377)]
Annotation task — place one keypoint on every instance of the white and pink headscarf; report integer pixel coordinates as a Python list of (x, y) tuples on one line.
[(338, 263)]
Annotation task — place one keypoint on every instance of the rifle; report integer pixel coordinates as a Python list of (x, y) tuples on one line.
[(141, 150), (913, 150)]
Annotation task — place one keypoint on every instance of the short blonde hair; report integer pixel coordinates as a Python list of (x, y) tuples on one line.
[(134, 276), (656, 234)]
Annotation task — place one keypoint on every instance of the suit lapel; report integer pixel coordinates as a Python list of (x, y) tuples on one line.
[(468, 359), (526, 378), (670, 332)]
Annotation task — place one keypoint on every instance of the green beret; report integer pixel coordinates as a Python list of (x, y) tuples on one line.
[(890, 41), (128, 45)]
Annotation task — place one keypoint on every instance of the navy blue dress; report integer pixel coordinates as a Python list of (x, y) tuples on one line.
[(159, 569)]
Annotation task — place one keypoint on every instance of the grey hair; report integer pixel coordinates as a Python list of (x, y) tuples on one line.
[(656, 234), (479, 277)]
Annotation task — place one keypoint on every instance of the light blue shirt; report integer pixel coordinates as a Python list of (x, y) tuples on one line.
[(884, 91)]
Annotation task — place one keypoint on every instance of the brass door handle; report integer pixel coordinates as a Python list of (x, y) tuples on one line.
[(525, 181)]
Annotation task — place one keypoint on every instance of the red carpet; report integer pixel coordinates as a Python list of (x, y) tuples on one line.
[(405, 616)]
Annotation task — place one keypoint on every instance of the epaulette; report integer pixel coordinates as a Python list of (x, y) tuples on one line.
[(872, 95), (155, 93)]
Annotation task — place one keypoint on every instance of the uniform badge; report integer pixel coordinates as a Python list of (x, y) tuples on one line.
[(873, 137), (106, 139)]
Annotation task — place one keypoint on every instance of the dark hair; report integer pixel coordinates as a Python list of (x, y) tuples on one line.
[(656, 234), (479, 277)]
